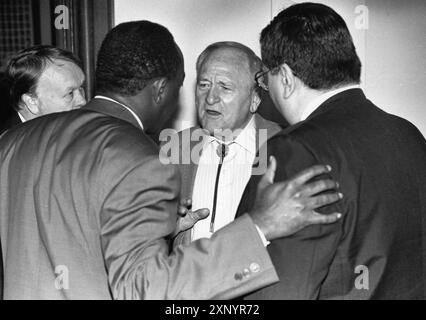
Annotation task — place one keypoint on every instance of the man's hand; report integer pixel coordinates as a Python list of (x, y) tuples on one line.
[(284, 208), (187, 218)]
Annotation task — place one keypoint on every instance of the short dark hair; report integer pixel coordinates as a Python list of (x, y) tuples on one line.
[(132, 54), (25, 68), (314, 41)]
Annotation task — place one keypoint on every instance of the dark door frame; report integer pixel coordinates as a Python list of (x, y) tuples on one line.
[(89, 22)]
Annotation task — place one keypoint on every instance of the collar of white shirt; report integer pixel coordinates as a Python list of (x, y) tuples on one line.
[(124, 106), (21, 117), (246, 138), (322, 98)]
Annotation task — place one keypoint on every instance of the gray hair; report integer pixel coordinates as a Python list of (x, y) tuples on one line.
[(254, 61)]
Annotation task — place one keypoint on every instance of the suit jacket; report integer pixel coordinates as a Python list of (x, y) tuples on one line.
[(9, 121), (189, 170), (86, 208), (377, 250), (6, 122)]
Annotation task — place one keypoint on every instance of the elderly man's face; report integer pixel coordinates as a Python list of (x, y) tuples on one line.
[(60, 87), (224, 91)]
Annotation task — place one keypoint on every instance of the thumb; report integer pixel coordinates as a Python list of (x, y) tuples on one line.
[(200, 214)]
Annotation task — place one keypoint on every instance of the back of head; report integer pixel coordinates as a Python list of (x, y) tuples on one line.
[(25, 68), (314, 41), (132, 54)]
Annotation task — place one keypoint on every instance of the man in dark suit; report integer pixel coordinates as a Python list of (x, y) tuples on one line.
[(40, 80), (86, 207), (8, 116), (375, 251)]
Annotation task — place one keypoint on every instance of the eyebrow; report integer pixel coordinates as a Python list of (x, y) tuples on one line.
[(77, 86)]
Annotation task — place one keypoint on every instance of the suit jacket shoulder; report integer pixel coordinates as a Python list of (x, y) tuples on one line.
[(372, 154)]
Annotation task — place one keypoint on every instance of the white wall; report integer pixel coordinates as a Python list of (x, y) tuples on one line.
[(396, 59), (195, 24), (391, 48)]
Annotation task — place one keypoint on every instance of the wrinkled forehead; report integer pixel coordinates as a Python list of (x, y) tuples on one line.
[(61, 73), (230, 60)]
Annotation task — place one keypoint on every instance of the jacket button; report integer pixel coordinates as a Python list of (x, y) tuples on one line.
[(238, 276), (254, 267), (246, 272)]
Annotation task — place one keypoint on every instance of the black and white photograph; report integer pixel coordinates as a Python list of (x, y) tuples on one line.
[(232, 151)]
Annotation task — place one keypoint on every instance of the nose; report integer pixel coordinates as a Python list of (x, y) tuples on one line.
[(212, 96), (80, 99)]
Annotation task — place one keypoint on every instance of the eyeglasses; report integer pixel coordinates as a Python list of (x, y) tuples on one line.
[(261, 78)]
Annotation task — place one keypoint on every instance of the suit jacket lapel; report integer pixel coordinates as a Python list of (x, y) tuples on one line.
[(188, 171)]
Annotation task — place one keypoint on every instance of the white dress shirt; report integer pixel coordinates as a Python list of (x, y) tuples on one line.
[(234, 176), (21, 117)]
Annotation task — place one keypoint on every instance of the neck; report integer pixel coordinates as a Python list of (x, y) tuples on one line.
[(27, 115), (305, 102), (300, 102), (138, 104)]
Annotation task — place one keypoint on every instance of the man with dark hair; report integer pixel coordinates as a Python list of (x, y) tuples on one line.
[(90, 213), (375, 252), (42, 80)]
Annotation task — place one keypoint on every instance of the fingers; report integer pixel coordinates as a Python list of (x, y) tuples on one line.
[(186, 202), (317, 218), (200, 214), (306, 175), (317, 187), (184, 206), (323, 200), (182, 211), (268, 177)]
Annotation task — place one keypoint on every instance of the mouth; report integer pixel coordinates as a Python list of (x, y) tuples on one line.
[(213, 113)]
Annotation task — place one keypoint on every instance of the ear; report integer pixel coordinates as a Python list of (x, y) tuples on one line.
[(31, 103), (159, 89), (255, 101), (288, 80)]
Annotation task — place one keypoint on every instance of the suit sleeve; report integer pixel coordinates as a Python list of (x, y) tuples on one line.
[(302, 261), (138, 215), (1, 274)]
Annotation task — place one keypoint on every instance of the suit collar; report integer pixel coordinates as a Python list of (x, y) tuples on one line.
[(112, 109), (351, 95), (11, 121)]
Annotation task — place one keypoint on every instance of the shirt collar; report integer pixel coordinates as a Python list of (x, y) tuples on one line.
[(21, 117), (124, 106), (246, 138), (322, 98)]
